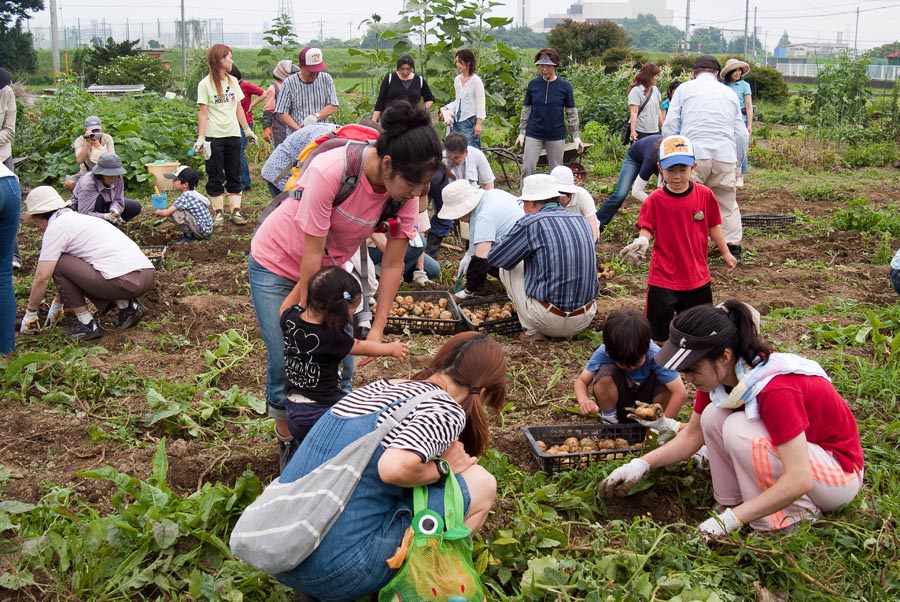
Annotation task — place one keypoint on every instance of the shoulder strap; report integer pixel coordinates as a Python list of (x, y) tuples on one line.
[(390, 76), (421, 82), (353, 170), (646, 100)]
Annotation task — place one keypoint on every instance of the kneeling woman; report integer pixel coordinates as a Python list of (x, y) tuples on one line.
[(467, 372), (783, 444)]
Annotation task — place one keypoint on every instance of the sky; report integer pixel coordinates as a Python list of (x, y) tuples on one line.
[(805, 20)]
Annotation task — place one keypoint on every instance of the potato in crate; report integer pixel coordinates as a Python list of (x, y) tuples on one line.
[(429, 312), (155, 254), (495, 315), (564, 447)]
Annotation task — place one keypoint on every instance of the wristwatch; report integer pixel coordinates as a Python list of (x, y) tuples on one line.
[(443, 468)]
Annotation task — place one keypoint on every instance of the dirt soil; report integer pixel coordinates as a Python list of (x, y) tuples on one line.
[(202, 291)]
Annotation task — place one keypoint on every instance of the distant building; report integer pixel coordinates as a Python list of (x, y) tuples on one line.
[(594, 12), (826, 49)]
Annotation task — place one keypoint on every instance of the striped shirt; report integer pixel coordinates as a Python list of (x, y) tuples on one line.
[(559, 254), (427, 431), (300, 99), (198, 206)]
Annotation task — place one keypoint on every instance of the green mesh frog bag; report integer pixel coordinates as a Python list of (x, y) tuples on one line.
[(438, 565)]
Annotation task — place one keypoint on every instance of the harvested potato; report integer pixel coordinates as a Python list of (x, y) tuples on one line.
[(572, 442), (621, 444), (588, 442), (541, 445), (406, 306), (648, 411), (607, 444)]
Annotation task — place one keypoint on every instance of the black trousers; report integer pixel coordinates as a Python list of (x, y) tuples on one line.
[(223, 168)]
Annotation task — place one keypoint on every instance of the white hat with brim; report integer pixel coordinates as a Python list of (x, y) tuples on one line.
[(460, 198), (539, 187), (565, 179), (44, 199), (731, 65)]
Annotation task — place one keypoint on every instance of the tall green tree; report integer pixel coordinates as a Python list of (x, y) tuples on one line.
[(785, 41), (12, 12), (17, 46), (884, 50), (578, 42), (709, 40), (646, 33)]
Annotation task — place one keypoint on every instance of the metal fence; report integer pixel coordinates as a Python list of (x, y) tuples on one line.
[(199, 33), (876, 72)]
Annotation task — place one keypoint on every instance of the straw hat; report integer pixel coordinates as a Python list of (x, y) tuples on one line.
[(460, 198), (731, 65), (540, 187), (43, 199)]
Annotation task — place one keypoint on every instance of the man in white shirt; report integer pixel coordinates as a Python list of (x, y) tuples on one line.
[(308, 96), (708, 114)]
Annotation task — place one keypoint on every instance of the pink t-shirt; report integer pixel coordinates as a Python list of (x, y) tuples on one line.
[(278, 244), (95, 240)]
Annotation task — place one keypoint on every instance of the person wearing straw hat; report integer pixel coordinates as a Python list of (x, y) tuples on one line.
[(575, 198), (101, 192), (86, 258), (708, 114), (491, 214), (548, 264), (732, 75), (274, 129)]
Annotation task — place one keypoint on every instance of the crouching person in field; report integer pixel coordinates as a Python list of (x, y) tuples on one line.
[(86, 257), (190, 211)]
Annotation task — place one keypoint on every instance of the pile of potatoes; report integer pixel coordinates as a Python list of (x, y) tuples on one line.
[(606, 273), (408, 307), (573, 445), (494, 311)]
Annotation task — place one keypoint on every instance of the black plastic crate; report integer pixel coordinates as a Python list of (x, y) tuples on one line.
[(505, 326), (397, 324), (155, 254), (633, 433), (763, 222)]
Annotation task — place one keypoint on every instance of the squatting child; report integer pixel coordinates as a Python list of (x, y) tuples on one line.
[(680, 217), (190, 211), (316, 341), (622, 372)]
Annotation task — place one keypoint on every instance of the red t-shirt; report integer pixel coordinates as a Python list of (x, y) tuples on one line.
[(794, 403), (680, 224), (249, 89)]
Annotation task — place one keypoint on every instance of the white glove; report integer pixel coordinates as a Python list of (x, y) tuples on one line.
[(658, 424), (198, 145), (578, 144), (636, 251), (55, 313), (722, 524), (31, 323), (447, 116), (463, 295), (114, 218), (251, 137), (463, 266), (622, 479), (308, 120), (520, 141)]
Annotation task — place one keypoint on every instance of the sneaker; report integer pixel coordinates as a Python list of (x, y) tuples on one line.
[(237, 219), (186, 238), (131, 315), (16, 262), (87, 332), (532, 338), (739, 182), (218, 218), (420, 278), (735, 250)]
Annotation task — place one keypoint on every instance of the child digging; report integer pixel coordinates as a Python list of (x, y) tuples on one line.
[(622, 373), (316, 340), (190, 211)]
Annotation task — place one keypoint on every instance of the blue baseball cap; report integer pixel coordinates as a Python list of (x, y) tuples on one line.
[(676, 150)]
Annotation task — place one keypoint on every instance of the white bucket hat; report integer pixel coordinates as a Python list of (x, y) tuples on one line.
[(565, 179), (539, 187), (460, 198), (44, 199)]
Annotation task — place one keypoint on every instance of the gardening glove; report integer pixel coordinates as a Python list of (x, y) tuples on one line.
[(722, 524), (267, 134), (658, 424), (31, 323), (636, 251), (578, 144), (447, 116), (198, 145), (251, 137), (463, 266), (56, 312), (621, 480), (520, 141), (463, 295), (308, 120), (114, 218)]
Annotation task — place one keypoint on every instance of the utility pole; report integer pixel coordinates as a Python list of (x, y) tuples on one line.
[(746, 24), (687, 28), (754, 33), (183, 53), (856, 35), (54, 38)]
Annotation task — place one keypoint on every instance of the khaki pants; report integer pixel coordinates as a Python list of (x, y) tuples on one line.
[(719, 177), (186, 223), (533, 316), (77, 279), (744, 463)]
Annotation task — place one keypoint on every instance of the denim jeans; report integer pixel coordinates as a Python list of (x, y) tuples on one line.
[(627, 175), (432, 267), (268, 290), (245, 167), (895, 280), (467, 127), (744, 164), (10, 206)]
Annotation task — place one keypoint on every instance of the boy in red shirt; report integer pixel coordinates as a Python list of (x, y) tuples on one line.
[(680, 217)]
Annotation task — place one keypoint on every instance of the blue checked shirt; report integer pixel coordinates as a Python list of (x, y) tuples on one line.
[(557, 247), (197, 205)]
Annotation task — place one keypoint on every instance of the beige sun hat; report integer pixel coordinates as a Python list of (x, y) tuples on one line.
[(539, 187), (460, 198), (731, 65), (43, 199)]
